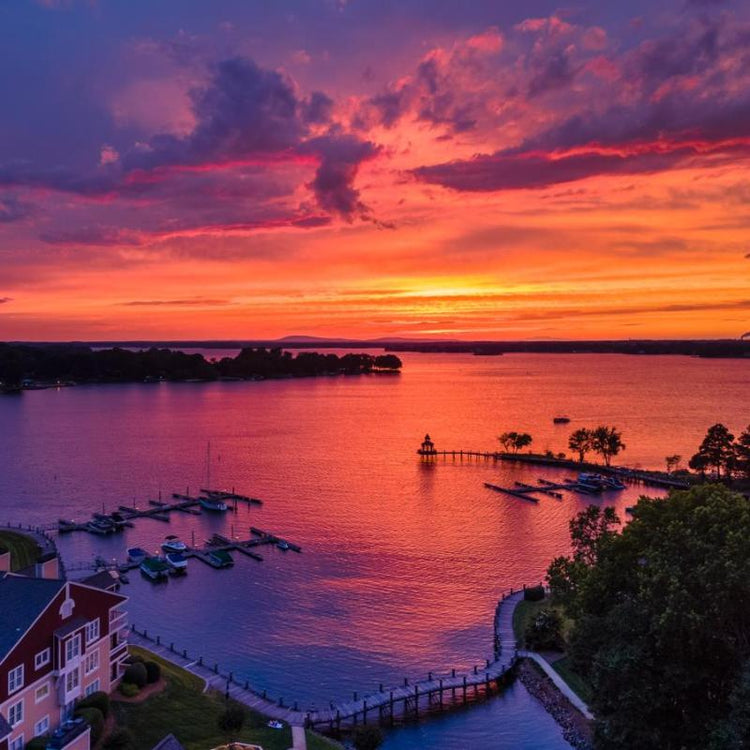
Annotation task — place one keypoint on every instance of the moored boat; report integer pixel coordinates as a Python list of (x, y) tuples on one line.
[(213, 504), (220, 558), (155, 568), (100, 526), (561, 420), (137, 554), (177, 562), (281, 544), (172, 544)]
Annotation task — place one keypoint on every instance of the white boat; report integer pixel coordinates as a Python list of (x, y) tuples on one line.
[(177, 562), (213, 504), (275, 724), (281, 544), (173, 544)]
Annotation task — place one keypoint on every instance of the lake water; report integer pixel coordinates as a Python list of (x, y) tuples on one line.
[(403, 562)]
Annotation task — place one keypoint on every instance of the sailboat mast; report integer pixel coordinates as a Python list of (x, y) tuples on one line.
[(208, 465)]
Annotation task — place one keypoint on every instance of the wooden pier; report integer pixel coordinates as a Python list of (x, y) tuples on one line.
[(408, 701), (160, 511)]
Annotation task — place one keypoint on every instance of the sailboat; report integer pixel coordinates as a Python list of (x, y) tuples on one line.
[(212, 502)]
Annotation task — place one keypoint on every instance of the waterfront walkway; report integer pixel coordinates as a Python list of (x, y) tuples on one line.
[(560, 683), (437, 692), (443, 690)]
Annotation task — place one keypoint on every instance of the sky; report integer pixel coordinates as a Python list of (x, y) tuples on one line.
[(373, 168)]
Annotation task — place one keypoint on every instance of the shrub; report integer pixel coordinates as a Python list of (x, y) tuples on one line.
[(95, 718), (232, 719), (135, 659), (153, 672), (534, 594), (37, 743), (120, 739), (367, 737), (544, 632), (99, 700), (136, 673), (128, 689)]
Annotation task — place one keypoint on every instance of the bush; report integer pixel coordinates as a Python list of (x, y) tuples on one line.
[(95, 718), (367, 737), (135, 659), (120, 739), (544, 632), (99, 700), (232, 719), (128, 689), (136, 673), (534, 594), (37, 743), (153, 672)]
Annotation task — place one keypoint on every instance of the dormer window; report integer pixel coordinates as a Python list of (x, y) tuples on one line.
[(66, 608)]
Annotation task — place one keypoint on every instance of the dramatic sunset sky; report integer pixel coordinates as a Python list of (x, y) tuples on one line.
[(367, 168)]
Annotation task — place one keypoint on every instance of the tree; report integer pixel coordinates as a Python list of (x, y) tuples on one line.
[(544, 632), (742, 452), (514, 441), (672, 462), (591, 531), (716, 450), (607, 442), (232, 719), (367, 737), (662, 624), (580, 443)]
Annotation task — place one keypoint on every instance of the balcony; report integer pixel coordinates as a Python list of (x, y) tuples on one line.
[(67, 733), (118, 619)]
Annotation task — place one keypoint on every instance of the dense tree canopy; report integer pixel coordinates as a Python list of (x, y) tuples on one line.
[(662, 625)]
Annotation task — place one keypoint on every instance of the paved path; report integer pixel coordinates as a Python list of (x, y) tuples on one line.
[(560, 684), (299, 738)]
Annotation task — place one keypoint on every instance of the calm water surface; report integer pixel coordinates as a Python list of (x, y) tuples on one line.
[(403, 562)]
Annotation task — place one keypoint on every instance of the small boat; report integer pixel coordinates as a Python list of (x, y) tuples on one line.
[(281, 544), (561, 420), (273, 724), (155, 568), (213, 504), (137, 554), (220, 558), (100, 526), (177, 562), (172, 544)]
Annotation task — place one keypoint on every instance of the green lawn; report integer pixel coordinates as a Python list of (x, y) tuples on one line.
[(191, 715), (526, 611), (23, 549), (579, 685)]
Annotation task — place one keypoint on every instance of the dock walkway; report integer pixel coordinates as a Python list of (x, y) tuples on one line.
[(437, 692)]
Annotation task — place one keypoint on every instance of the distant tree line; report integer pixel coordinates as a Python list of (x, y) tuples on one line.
[(82, 364), (722, 453)]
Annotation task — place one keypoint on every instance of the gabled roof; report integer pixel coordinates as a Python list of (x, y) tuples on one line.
[(104, 580), (23, 600)]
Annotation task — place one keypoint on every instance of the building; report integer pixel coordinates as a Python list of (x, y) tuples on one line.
[(59, 641)]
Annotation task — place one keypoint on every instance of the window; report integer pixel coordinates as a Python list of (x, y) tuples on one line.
[(72, 648), (42, 658), (41, 692), (15, 713), (15, 679), (41, 727), (16, 744), (92, 688), (92, 631), (71, 681), (92, 662)]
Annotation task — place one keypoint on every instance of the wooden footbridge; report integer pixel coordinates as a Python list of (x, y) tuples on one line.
[(388, 705)]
